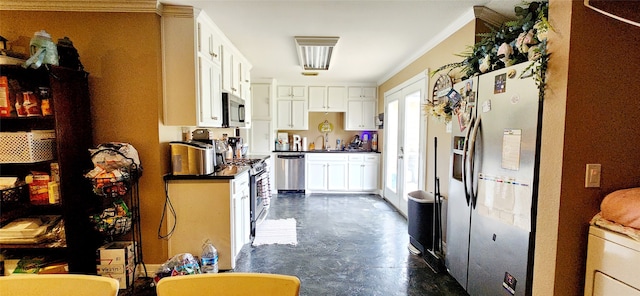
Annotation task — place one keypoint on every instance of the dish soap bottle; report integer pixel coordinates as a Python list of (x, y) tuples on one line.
[(209, 258)]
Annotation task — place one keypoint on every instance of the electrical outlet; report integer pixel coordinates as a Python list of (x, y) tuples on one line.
[(592, 175)]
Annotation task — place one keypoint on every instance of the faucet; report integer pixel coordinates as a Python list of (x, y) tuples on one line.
[(326, 141)]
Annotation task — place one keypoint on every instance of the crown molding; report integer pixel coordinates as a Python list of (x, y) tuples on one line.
[(152, 6), (489, 16)]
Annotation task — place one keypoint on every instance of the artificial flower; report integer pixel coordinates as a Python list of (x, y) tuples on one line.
[(535, 52), (504, 52), (486, 64), (542, 30)]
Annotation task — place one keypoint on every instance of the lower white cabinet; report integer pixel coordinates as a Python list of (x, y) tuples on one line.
[(363, 172), (326, 172), (342, 172), (242, 218)]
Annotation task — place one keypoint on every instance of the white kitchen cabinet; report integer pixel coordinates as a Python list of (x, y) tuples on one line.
[(210, 209), (327, 99), (326, 172), (336, 98), (292, 115), (295, 92), (260, 138), (260, 101), (210, 43), (209, 87), (360, 115), (242, 219), (235, 72), (362, 93), (317, 98), (363, 172), (191, 77)]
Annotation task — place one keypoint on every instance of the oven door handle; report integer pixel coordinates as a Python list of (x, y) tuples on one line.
[(263, 216)]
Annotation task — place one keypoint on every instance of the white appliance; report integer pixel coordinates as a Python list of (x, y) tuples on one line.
[(494, 176), (612, 264)]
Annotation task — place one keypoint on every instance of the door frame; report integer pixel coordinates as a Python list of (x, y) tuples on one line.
[(423, 79)]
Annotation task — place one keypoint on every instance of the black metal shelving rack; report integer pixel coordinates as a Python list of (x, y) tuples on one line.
[(133, 172)]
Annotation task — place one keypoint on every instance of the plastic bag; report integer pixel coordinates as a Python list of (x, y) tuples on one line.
[(180, 264)]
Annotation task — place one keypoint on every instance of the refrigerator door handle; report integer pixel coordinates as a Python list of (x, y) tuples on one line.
[(472, 154), (465, 154)]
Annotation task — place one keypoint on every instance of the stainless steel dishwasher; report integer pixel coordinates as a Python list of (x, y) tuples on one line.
[(290, 172)]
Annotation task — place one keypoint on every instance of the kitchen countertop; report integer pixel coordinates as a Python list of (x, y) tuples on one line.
[(230, 172), (328, 151)]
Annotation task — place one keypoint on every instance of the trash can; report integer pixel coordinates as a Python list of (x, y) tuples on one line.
[(421, 220)]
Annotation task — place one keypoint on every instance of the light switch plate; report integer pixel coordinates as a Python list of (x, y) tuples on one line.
[(592, 175)]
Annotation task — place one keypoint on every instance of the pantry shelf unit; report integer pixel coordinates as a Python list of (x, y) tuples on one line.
[(70, 121)]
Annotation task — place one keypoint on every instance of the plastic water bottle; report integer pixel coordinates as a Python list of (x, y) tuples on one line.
[(209, 258)]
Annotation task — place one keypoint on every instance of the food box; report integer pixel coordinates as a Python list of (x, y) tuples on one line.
[(118, 252), (116, 260)]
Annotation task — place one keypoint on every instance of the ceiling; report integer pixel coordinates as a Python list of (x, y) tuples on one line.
[(377, 38)]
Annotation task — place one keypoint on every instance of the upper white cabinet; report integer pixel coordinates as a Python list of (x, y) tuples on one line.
[(292, 115), (361, 109), (191, 75), (292, 110), (236, 72), (209, 42), (260, 101), (327, 99), (362, 93), (296, 92)]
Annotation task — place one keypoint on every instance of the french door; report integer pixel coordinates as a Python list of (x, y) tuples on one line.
[(404, 143)]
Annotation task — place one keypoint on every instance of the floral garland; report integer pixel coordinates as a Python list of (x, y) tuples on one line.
[(517, 41)]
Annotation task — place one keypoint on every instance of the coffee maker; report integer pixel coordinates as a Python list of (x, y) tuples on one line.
[(206, 136), (235, 144)]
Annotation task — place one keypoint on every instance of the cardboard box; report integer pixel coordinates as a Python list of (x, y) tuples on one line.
[(116, 253), (116, 260), (120, 272)]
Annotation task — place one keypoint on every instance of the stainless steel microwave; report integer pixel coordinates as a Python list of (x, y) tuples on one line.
[(232, 111)]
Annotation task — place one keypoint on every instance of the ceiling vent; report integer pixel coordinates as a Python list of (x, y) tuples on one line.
[(314, 53)]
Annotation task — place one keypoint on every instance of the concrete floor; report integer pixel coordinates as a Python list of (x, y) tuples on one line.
[(347, 245)]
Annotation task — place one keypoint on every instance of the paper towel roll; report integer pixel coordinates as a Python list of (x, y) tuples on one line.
[(305, 146)]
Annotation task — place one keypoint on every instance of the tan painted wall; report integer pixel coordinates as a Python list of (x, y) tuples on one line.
[(335, 118), (121, 51), (441, 54)]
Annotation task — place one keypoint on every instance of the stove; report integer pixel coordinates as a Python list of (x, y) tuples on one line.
[(259, 189)]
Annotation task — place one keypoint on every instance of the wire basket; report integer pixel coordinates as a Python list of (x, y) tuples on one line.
[(113, 225), (19, 193)]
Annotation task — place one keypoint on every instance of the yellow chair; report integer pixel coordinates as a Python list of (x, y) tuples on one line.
[(58, 285), (229, 284)]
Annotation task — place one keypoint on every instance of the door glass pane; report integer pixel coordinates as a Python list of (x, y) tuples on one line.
[(391, 151), (411, 143)]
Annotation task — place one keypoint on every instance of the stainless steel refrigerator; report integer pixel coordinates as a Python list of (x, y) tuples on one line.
[(493, 184)]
